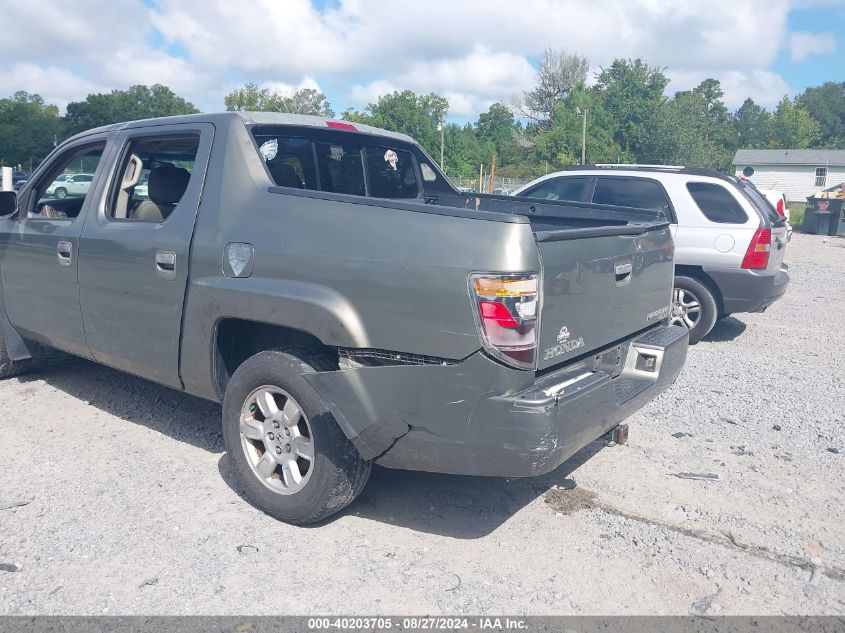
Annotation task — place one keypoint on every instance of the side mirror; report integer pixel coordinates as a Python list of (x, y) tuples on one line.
[(8, 203)]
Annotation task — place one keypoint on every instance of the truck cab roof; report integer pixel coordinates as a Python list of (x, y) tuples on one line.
[(251, 118)]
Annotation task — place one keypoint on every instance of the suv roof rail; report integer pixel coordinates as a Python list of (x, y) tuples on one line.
[(693, 171)]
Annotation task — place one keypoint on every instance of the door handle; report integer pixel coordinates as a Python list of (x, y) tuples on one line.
[(166, 265), (64, 251), (623, 273)]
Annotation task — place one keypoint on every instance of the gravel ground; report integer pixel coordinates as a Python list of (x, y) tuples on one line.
[(129, 507)]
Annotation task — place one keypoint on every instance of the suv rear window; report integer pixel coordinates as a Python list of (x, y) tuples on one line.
[(716, 203), (348, 167), (631, 192), (761, 204), (564, 188)]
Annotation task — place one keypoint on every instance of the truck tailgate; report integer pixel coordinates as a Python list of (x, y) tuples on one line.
[(601, 287)]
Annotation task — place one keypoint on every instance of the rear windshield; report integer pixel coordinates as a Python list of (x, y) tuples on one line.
[(760, 203), (349, 167)]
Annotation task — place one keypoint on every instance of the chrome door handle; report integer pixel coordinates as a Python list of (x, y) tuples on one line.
[(64, 251), (623, 273), (166, 265)]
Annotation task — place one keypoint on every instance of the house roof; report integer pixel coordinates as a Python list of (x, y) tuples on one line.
[(816, 157)]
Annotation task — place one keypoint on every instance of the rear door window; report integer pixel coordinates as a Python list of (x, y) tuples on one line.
[(716, 203), (391, 173), (639, 193), (290, 160), (341, 168), (566, 188)]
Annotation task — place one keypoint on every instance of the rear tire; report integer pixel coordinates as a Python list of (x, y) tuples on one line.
[(272, 416), (694, 307)]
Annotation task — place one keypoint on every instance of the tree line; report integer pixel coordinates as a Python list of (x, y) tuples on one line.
[(628, 119)]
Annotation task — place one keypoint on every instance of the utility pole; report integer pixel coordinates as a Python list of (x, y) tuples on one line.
[(583, 113)]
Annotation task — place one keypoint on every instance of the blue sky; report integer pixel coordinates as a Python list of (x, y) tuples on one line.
[(473, 52)]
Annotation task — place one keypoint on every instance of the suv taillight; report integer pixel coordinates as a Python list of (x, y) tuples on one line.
[(506, 314), (780, 208), (757, 255)]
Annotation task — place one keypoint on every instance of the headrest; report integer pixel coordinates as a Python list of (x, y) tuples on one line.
[(285, 175), (167, 184)]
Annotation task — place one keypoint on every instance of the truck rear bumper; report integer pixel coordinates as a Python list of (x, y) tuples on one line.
[(481, 418)]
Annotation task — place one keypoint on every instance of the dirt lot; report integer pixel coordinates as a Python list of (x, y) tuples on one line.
[(129, 507)]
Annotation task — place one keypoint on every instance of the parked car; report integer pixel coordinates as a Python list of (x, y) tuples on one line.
[(342, 300), (779, 203), (70, 185), (729, 241)]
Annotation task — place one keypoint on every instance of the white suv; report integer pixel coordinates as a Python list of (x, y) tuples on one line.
[(729, 241)]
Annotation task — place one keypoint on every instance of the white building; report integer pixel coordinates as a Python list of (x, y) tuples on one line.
[(797, 172)]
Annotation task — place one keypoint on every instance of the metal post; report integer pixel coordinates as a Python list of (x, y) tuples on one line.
[(583, 114), (442, 139)]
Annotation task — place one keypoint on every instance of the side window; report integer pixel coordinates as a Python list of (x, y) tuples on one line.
[(153, 177), (716, 203), (341, 168), (631, 192), (61, 194), (391, 173), (559, 189), (289, 159)]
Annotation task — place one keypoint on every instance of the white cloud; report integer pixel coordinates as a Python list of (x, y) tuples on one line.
[(475, 53), (803, 44), (58, 86), (470, 83), (287, 90)]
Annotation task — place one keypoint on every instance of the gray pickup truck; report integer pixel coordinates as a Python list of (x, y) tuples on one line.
[(344, 302)]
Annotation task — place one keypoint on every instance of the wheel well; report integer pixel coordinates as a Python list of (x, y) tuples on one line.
[(238, 339), (697, 273)]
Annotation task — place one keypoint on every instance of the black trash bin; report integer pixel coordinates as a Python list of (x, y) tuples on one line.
[(837, 218), (830, 221)]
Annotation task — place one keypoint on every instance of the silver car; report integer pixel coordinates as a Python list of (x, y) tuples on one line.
[(729, 242)]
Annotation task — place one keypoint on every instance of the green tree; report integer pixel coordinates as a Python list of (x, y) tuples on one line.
[(632, 93), (138, 102), (255, 99), (29, 129), (497, 127), (826, 104), (560, 145), (751, 123), (699, 129), (792, 127), (418, 116)]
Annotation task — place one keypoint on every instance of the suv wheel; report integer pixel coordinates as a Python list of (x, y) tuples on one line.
[(287, 451), (694, 307)]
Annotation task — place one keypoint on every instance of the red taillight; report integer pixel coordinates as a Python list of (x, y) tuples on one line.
[(498, 313), (506, 311), (757, 255), (780, 208), (337, 125)]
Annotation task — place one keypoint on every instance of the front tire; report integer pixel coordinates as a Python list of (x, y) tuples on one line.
[(284, 445), (694, 307), (61, 193)]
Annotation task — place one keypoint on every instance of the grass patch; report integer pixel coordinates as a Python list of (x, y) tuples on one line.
[(796, 214)]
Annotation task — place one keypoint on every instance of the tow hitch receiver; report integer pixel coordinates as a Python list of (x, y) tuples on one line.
[(617, 435)]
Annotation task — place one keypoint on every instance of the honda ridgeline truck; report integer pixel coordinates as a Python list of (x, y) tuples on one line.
[(344, 302)]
